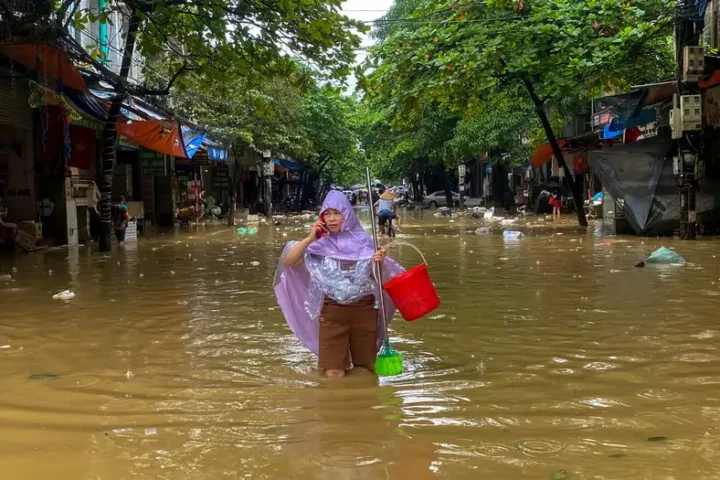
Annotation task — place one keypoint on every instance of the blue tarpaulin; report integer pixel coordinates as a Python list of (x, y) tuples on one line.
[(647, 115), (216, 151), (289, 164), (608, 133), (701, 6), (192, 139), (88, 103)]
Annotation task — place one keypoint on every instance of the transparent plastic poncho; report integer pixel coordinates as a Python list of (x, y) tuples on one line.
[(301, 294), (342, 281)]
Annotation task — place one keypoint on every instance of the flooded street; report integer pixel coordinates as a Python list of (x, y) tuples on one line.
[(549, 353)]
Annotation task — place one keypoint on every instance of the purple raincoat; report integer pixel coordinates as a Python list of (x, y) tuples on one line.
[(297, 296)]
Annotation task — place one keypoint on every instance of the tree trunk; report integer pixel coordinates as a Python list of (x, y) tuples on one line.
[(415, 186), (577, 194), (448, 189), (234, 177), (109, 137)]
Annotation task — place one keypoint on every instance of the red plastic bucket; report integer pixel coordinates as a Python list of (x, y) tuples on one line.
[(413, 293)]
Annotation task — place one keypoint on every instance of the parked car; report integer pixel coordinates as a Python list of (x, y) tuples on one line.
[(437, 199)]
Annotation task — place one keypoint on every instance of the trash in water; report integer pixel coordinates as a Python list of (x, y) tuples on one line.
[(42, 376), (508, 221), (13, 269), (255, 264), (150, 431), (512, 234), (663, 256), (559, 475), (657, 439), (242, 231), (483, 231), (4, 345), (252, 231), (64, 295), (121, 431)]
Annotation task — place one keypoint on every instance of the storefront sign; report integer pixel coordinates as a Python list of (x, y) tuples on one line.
[(221, 179), (201, 158), (153, 163), (648, 131)]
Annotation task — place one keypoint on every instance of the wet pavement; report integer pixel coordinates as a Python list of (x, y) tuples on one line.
[(549, 353)]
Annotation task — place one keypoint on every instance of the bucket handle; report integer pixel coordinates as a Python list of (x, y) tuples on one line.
[(403, 242)]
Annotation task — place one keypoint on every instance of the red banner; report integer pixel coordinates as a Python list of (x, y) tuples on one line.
[(82, 148)]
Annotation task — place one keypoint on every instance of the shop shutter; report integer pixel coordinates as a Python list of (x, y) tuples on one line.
[(14, 108)]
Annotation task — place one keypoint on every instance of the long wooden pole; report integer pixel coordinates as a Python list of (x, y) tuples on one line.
[(376, 266)]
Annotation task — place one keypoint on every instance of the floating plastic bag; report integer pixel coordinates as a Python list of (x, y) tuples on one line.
[(64, 295), (512, 235), (663, 256)]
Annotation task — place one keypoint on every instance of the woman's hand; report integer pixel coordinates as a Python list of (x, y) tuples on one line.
[(379, 256), (315, 230)]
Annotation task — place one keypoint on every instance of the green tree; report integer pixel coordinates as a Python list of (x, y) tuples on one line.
[(221, 42), (458, 55), (332, 130)]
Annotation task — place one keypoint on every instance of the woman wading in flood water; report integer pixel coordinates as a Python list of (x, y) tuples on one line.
[(327, 293)]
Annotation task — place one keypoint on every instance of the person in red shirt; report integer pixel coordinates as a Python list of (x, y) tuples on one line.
[(555, 202)]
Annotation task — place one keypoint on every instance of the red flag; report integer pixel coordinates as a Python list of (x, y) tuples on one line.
[(82, 148)]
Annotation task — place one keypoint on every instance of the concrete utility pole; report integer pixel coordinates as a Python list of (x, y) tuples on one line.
[(268, 169), (461, 183), (689, 145)]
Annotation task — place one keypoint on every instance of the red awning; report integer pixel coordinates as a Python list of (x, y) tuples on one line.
[(48, 61), (154, 135)]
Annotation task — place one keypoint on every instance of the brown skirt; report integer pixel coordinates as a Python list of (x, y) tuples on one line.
[(348, 332)]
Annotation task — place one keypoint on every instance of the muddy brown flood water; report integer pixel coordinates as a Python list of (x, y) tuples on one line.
[(549, 353)]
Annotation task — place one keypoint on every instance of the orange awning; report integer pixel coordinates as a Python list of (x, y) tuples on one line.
[(153, 135), (543, 154), (48, 61)]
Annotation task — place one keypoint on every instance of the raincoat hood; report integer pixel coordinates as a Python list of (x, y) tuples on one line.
[(352, 242)]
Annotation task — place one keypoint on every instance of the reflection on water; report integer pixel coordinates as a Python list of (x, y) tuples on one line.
[(551, 352)]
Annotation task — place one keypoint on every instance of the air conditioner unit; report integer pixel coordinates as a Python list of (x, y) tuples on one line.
[(691, 112), (693, 63)]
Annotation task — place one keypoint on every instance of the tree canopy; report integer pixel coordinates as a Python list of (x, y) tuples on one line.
[(223, 41), (459, 54), (454, 79)]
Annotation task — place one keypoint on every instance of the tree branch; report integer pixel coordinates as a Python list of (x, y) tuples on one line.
[(166, 90), (63, 10), (72, 14)]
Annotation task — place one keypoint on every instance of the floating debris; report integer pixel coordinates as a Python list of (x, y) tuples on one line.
[(559, 475), (64, 295)]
